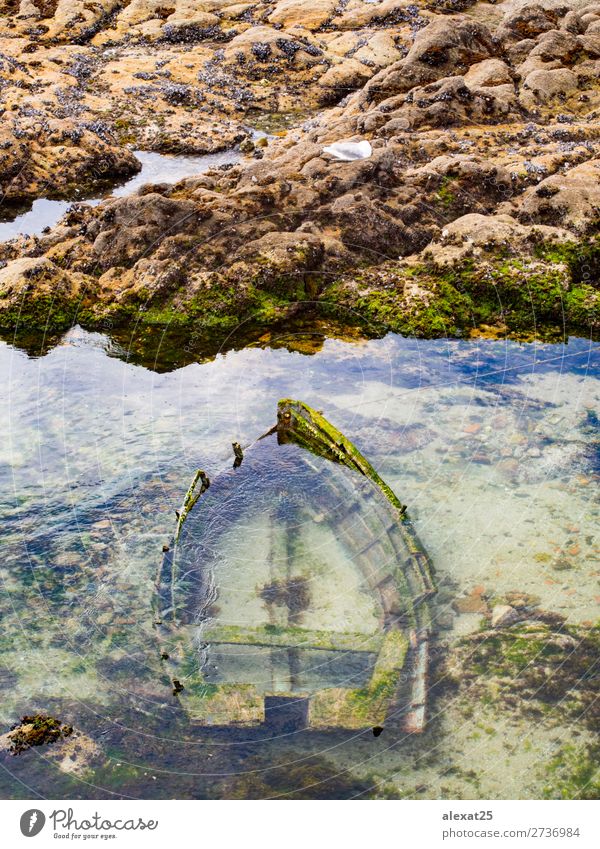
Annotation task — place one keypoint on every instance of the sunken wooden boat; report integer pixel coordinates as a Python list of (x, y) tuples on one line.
[(296, 592)]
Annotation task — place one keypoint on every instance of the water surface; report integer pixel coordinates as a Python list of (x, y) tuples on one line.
[(492, 445), (156, 168)]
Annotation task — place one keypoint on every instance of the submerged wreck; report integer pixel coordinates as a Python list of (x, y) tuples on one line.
[(296, 592)]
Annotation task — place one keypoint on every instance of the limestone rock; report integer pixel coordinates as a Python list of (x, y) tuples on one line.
[(503, 615), (311, 15), (129, 226), (341, 78), (571, 199), (490, 72), (493, 232), (482, 125)]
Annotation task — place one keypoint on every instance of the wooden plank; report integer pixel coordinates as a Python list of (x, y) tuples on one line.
[(292, 637), (368, 706)]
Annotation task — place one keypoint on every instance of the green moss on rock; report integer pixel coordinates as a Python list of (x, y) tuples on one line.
[(557, 289), (36, 730)]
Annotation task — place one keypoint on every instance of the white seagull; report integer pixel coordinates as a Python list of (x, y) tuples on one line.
[(348, 151)]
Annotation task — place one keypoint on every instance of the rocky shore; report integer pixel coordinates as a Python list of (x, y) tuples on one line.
[(477, 208)]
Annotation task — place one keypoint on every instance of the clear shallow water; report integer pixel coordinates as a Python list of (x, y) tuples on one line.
[(156, 168), (493, 446)]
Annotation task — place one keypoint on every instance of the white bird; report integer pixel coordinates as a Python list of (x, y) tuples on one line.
[(347, 151)]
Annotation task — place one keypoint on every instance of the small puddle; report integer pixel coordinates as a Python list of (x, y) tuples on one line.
[(156, 168)]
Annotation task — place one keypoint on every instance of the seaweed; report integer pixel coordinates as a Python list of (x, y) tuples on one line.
[(36, 730)]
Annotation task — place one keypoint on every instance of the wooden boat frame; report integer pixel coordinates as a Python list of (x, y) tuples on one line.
[(403, 643)]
